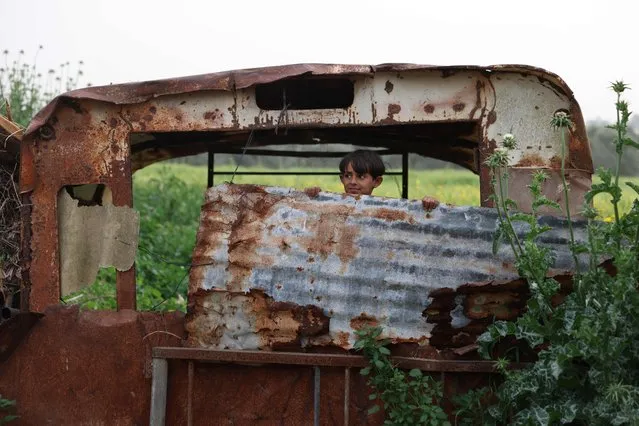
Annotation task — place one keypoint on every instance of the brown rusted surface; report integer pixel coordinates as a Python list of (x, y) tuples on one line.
[(281, 325), (75, 367), (14, 330), (362, 321), (480, 304), (48, 164), (324, 360), (531, 160), (579, 181)]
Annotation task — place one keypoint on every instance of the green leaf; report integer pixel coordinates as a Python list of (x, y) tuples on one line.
[(511, 204), (379, 364), (372, 396), (415, 372), (374, 409), (8, 418), (543, 201), (633, 186), (365, 371), (384, 350), (540, 415), (630, 142), (568, 413), (523, 217)]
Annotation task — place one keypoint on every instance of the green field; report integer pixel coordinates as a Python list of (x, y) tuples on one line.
[(169, 197), (452, 186)]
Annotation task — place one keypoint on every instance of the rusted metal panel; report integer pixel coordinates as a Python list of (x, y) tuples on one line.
[(277, 268), (78, 147)]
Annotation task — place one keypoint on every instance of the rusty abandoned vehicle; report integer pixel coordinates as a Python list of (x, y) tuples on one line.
[(280, 279)]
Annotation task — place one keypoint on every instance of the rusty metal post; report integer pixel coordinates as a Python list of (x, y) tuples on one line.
[(189, 397), (405, 175), (316, 397), (159, 385), (347, 395), (210, 169), (122, 190)]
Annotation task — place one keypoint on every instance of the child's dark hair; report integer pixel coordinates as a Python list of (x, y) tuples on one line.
[(363, 161)]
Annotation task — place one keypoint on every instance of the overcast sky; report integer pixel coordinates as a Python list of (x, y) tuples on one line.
[(136, 40)]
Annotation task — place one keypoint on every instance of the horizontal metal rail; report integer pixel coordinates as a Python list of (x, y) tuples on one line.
[(323, 360), (293, 173), (299, 154)]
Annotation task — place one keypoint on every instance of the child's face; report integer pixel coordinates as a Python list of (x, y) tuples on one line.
[(359, 184)]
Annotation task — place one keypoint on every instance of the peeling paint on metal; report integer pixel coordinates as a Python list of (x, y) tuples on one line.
[(92, 237)]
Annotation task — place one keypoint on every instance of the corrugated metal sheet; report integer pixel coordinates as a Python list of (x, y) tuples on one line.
[(280, 268)]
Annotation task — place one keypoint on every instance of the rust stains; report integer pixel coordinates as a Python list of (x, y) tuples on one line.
[(429, 108), (389, 214), (312, 192), (213, 115), (393, 109), (264, 323), (459, 106), (333, 235), (388, 87), (531, 160), (363, 320), (492, 117), (463, 314), (555, 162)]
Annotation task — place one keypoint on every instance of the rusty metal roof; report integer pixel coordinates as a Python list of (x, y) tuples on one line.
[(281, 268), (132, 93)]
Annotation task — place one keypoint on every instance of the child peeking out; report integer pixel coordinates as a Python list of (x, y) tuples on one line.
[(362, 171)]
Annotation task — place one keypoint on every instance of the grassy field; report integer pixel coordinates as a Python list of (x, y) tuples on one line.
[(169, 197), (453, 186)]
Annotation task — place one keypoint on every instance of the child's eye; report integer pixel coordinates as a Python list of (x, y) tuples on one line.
[(360, 177)]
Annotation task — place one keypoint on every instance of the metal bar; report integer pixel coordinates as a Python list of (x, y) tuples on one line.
[(189, 400), (158, 392), (301, 154), (323, 360), (229, 173), (347, 395), (125, 289), (316, 396), (210, 169), (405, 175)]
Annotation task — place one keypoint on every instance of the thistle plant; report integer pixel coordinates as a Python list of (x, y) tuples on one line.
[(586, 369)]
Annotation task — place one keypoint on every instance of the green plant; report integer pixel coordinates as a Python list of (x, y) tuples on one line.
[(7, 405), (470, 407), (587, 365), (408, 398), (24, 90)]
